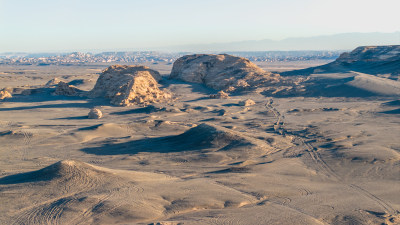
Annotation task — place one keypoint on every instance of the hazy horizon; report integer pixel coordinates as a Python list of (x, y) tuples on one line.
[(314, 43), (66, 26)]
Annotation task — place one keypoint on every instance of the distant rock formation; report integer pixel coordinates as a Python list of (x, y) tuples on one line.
[(366, 59), (369, 54), (129, 85), (66, 89), (221, 72), (95, 114), (365, 71), (52, 82), (371, 60), (220, 95), (5, 94)]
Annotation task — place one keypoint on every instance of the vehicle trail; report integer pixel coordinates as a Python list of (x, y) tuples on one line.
[(319, 161)]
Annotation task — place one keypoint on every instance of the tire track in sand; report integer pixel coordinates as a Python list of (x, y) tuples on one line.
[(320, 163)]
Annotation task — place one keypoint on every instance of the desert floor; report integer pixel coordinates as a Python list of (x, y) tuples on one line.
[(194, 160)]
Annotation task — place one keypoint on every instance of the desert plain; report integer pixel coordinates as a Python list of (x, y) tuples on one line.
[(281, 159)]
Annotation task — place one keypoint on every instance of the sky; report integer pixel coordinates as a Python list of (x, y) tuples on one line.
[(69, 25)]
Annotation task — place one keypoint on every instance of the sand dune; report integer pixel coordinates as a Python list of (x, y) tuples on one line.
[(377, 85), (366, 59), (76, 192), (366, 71)]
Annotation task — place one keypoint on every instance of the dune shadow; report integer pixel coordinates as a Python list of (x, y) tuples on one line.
[(50, 106), (197, 99), (230, 104), (72, 118), (90, 128), (76, 82), (373, 68), (231, 170), (33, 176), (90, 103), (202, 137), (394, 111), (147, 110), (196, 88), (208, 119), (392, 103), (167, 144), (41, 95)]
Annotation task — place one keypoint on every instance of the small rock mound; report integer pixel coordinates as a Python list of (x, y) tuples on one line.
[(95, 114), (221, 72), (220, 95), (247, 102), (52, 82), (66, 89), (129, 85), (5, 94)]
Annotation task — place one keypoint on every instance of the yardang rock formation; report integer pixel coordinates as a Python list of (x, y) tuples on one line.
[(221, 72), (129, 85)]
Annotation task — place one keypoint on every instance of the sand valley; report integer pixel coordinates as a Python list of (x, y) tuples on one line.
[(319, 145)]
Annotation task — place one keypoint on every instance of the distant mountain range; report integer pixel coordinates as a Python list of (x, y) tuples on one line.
[(345, 41), (337, 42)]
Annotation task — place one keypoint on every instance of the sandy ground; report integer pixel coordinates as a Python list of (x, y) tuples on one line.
[(196, 160)]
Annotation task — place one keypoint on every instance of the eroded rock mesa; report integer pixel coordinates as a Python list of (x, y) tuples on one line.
[(129, 85), (221, 72)]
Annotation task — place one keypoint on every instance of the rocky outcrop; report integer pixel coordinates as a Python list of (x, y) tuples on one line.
[(247, 102), (221, 72), (220, 95), (4, 94), (129, 85), (52, 82), (95, 114), (66, 89)]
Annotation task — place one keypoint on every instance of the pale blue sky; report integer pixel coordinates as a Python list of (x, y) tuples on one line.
[(68, 25)]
